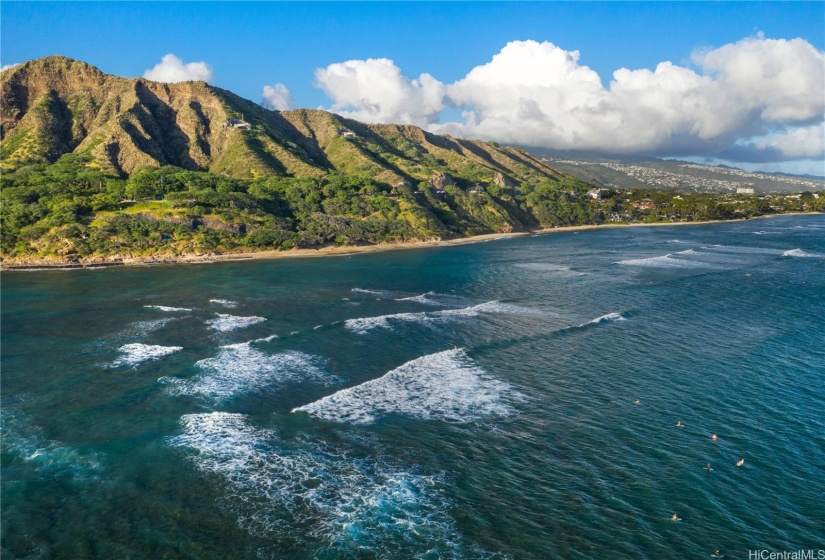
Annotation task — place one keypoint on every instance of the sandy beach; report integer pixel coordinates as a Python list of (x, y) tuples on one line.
[(208, 257)]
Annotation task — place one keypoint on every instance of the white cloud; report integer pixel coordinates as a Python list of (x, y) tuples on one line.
[(800, 142), (760, 98), (277, 97), (172, 69), (7, 66), (374, 90)]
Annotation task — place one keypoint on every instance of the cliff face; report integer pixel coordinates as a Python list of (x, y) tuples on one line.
[(56, 105)]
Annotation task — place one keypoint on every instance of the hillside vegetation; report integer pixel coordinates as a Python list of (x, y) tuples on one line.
[(97, 167)]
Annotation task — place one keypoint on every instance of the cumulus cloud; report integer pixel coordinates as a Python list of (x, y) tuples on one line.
[(5, 67), (277, 97), (374, 90), (172, 69), (760, 98)]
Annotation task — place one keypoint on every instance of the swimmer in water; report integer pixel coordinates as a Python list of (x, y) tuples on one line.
[(713, 437), (740, 462), (679, 424), (675, 518), (716, 554), (707, 468), (637, 402)]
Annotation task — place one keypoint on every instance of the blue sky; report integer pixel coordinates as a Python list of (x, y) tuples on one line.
[(249, 45)]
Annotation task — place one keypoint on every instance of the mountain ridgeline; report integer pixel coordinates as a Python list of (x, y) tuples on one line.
[(98, 166)]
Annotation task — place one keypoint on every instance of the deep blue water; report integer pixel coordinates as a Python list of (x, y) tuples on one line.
[(474, 401)]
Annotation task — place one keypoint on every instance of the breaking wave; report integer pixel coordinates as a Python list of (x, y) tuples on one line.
[(381, 293), (303, 492), (802, 254), (363, 325), (443, 386), (167, 308), (140, 328), (667, 261), (136, 353), (228, 303), (241, 368), (225, 322), (605, 318), (421, 299)]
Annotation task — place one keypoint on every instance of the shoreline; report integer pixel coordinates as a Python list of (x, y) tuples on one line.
[(207, 258)]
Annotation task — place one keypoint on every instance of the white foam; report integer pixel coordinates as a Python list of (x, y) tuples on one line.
[(421, 299), (242, 369), (167, 308), (363, 325), (269, 338), (605, 318), (136, 353), (144, 327), (306, 492), (802, 254), (225, 322), (228, 303), (664, 261), (383, 293), (444, 386)]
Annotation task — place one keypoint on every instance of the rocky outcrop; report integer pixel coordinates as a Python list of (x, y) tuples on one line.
[(501, 180), (440, 180)]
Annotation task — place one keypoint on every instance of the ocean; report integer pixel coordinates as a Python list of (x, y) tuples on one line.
[(552, 396)]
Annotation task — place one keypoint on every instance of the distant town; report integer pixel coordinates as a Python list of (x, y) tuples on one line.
[(683, 177)]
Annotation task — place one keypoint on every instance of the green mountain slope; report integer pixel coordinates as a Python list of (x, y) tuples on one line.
[(98, 167)]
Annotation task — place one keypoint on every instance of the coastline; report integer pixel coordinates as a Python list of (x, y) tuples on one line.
[(205, 258)]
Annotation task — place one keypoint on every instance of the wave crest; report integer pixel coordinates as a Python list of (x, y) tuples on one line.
[(363, 325), (136, 353), (241, 368), (444, 386), (799, 253), (225, 322)]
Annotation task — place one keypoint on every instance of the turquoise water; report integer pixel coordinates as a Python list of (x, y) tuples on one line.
[(473, 401)]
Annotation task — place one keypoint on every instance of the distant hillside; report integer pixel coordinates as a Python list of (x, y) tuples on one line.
[(95, 165), (679, 175), (55, 105)]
